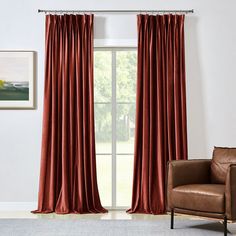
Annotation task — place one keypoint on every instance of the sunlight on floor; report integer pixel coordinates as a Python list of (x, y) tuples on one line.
[(111, 215)]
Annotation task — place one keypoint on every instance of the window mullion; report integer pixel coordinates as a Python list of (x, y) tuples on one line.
[(113, 128)]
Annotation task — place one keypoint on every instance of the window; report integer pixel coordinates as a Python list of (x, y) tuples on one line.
[(114, 91)]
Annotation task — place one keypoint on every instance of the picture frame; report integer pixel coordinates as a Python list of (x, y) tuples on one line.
[(17, 79)]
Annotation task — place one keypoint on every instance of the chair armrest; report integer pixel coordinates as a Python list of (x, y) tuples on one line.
[(230, 193), (182, 172)]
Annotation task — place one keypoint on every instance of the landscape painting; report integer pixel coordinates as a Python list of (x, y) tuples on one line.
[(16, 79)]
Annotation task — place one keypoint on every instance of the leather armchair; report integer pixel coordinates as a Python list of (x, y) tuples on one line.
[(204, 188)]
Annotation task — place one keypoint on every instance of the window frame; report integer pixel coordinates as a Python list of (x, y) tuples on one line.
[(114, 104)]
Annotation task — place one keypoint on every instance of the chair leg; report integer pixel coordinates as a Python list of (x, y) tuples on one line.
[(172, 219), (225, 226)]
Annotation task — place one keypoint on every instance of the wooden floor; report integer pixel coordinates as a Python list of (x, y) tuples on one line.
[(111, 215)]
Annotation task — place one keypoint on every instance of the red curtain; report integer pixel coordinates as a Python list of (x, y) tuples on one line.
[(161, 127), (68, 181)]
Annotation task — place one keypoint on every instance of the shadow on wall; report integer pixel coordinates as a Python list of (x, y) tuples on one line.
[(197, 143), (114, 29), (99, 27)]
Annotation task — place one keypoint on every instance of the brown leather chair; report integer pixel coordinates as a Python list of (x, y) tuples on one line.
[(204, 187)]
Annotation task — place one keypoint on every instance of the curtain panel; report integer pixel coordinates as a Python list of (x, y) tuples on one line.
[(161, 126), (68, 181)]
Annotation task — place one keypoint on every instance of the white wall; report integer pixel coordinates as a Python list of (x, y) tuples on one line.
[(211, 81)]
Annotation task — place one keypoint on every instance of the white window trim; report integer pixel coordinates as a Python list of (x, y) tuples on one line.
[(115, 43)]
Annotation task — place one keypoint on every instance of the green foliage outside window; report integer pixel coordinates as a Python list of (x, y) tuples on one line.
[(125, 93)]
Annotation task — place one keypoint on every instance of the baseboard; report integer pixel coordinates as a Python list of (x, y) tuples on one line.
[(18, 206)]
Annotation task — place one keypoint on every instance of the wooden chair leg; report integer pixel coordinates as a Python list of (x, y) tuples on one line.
[(172, 219), (225, 226)]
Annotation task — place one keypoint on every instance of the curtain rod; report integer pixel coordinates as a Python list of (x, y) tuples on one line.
[(115, 11)]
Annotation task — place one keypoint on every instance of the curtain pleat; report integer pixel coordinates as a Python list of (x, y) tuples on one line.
[(68, 179), (161, 124)]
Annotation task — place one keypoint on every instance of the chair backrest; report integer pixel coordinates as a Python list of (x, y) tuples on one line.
[(222, 158)]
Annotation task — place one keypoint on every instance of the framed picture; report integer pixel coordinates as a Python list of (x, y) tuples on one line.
[(16, 79)]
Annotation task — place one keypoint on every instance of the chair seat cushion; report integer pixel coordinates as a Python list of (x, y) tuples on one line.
[(200, 197)]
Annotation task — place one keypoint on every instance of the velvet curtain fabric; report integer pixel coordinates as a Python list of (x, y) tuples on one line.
[(68, 181), (161, 127)]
